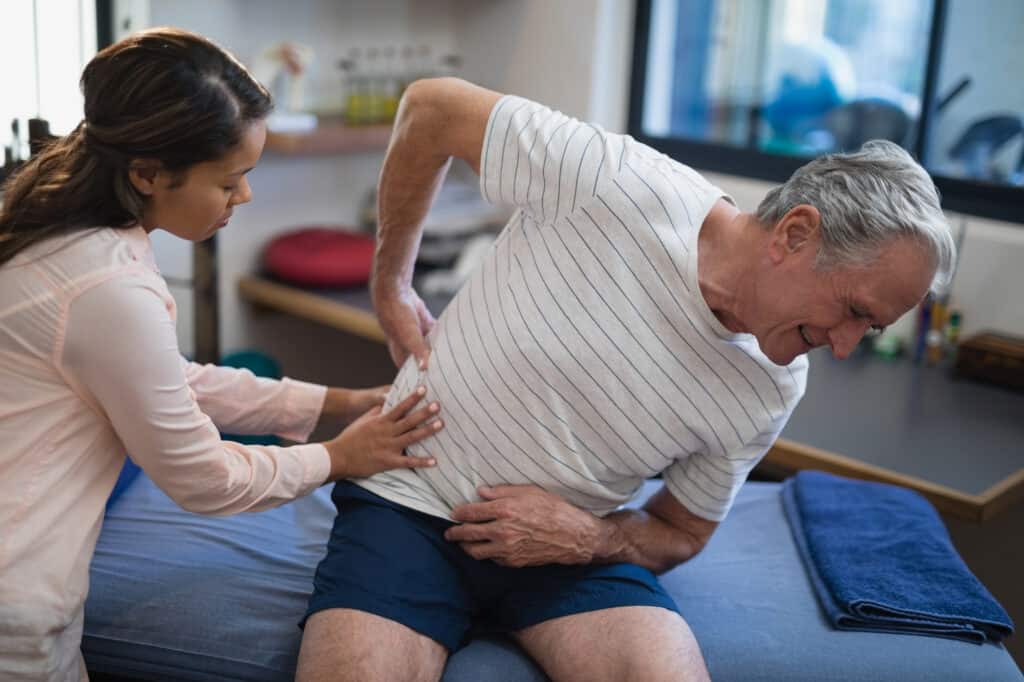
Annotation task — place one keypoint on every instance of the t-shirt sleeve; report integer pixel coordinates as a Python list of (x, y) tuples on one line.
[(121, 350), (707, 484), (543, 162)]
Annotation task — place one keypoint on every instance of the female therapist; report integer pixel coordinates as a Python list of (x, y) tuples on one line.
[(89, 363)]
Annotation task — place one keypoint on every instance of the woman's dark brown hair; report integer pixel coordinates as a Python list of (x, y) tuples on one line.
[(163, 94)]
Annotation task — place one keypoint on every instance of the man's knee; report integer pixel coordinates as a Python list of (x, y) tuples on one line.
[(628, 643), (342, 645)]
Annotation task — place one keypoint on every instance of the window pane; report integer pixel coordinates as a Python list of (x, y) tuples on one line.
[(787, 76), (976, 131), (46, 45), (67, 41), (19, 77)]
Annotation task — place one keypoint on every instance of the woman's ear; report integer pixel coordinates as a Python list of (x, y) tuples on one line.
[(143, 174), (797, 230)]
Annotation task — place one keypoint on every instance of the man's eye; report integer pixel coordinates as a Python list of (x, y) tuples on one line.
[(230, 188)]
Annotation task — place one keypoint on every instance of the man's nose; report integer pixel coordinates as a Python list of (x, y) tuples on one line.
[(845, 337)]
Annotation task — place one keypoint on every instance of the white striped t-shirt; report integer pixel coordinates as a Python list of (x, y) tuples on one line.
[(581, 356)]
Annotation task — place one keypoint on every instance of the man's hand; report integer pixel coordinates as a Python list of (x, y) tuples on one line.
[(438, 119), (522, 525), (406, 322)]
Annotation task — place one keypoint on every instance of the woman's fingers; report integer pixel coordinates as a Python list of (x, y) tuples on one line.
[(406, 404), (418, 434), (373, 412), (411, 462), (416, 418)]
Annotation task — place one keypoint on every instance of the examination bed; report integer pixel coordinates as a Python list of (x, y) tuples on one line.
[(175, 596)]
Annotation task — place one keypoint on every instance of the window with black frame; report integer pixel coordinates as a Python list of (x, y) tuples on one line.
[(756, 87)]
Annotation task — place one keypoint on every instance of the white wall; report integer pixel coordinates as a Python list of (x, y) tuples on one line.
[(573, 55), (288, 191)]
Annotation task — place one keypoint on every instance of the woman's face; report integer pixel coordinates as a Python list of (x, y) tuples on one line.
[(195, 206)]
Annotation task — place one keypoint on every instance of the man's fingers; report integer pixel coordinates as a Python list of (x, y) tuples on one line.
[(470, 532), (398, 354), (409, 338), (427, 322), (497, 492), (475, 512), (480, 550)]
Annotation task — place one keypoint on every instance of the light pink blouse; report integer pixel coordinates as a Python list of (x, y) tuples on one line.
[(90, 371)]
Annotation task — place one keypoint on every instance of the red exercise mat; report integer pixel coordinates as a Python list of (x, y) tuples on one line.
[(320, 257)]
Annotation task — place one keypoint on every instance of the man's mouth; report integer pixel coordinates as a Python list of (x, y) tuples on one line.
[(803, 335)]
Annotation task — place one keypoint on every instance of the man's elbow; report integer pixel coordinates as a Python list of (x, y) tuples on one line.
[(432, 90), (425, 101), (446, 117), (679, 551)]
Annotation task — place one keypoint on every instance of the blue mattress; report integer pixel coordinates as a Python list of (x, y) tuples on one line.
[(175, 596)]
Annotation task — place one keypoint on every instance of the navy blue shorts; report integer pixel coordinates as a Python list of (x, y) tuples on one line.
[(394, 562)]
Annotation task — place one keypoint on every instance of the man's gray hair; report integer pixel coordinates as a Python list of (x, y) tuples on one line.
[(866, 199)]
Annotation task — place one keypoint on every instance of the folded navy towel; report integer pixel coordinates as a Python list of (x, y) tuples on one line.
[(881, 560)]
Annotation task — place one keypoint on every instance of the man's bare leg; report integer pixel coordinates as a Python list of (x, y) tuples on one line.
[(345, 645), (634, 643)]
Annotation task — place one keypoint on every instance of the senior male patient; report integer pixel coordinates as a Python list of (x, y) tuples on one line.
[(629, 321)]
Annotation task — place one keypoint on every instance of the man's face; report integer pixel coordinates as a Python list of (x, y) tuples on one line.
[(799, 308)]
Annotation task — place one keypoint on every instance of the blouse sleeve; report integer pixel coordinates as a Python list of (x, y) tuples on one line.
[(240, 402), (120, 352)]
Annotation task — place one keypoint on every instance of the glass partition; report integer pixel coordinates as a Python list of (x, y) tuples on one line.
[(756, 87)]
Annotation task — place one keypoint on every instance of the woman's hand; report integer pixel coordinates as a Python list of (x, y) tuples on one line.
[(376, 441), (348, 404)]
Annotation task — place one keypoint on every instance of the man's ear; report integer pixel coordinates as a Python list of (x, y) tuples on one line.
[(143, 174), (796, 231)]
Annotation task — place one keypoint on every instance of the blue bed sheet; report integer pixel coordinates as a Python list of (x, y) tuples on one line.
[(176, 596)]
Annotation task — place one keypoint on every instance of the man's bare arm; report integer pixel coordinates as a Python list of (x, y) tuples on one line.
[(660, 536), (438, 119), (527, 526)]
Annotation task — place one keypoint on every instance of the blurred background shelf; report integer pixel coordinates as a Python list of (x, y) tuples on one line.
[(331, 136), (346, 310)]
